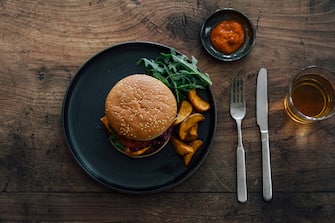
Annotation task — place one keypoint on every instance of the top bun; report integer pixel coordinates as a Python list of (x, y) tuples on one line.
[(140, 107)]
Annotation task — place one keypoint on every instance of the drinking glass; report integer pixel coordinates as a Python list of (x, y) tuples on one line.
[(311, 95)]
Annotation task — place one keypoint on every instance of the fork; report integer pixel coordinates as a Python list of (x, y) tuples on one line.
[(237, 111)]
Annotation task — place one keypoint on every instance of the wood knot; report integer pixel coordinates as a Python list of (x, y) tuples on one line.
[(41, 75)]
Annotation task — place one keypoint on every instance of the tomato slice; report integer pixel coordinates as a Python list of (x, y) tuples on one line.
[(131, 143)]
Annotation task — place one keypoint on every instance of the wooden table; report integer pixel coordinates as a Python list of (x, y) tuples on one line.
[(42, 45)]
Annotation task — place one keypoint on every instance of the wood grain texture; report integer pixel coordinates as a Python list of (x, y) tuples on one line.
[(204, 207), (42, 45)]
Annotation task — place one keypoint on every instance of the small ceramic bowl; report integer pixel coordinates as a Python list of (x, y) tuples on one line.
[(228, 14)]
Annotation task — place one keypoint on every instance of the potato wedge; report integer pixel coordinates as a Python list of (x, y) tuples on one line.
[(185, 110), (198, 103), (181, 148), (187, 158), (194, 130), (192, 133), (187, 124), (196, 144), (189, 137)]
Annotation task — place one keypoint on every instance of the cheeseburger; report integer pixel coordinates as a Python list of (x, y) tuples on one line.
[(139, 113)]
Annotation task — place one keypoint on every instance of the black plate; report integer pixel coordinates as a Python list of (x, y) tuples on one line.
[(84, 106)]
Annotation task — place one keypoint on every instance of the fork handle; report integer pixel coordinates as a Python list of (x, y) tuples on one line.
[(241, 175)]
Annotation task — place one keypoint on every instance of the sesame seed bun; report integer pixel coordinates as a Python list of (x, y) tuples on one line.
[(140, 107)]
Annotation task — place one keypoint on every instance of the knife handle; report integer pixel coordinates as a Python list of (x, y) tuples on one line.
[(267, 182)]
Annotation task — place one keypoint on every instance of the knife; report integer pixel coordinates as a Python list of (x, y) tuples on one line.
[(262, 121)]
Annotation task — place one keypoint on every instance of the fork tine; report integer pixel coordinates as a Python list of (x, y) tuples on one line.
[(232, 91), (241, 91), (237, 91)]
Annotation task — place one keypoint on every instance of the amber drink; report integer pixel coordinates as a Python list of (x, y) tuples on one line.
[(311, 95)]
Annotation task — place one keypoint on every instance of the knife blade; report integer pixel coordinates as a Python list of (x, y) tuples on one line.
[(262, 121)]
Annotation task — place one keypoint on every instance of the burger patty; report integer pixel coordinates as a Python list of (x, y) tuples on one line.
[(131, 143), (135, 145)]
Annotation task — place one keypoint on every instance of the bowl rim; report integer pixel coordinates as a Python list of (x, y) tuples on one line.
[(226, 14)]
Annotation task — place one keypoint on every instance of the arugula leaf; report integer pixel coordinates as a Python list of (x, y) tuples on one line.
[(177, 72)]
